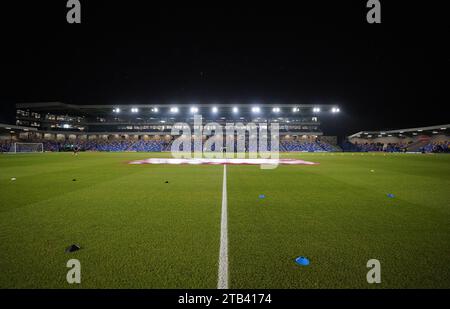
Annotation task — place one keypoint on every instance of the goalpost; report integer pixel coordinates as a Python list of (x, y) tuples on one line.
[(26, 148)]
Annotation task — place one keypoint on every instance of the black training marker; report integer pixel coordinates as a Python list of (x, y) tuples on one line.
[(72, 248), (167, 181)]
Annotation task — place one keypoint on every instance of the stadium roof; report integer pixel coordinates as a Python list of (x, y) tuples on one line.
[(436, 128), (60, 105), (9, 127), (175, 107)]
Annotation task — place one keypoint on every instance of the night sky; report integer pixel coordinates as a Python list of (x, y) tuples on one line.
[(389, 75)]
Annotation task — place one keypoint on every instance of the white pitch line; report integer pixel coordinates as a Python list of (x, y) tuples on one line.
[(222, 282)]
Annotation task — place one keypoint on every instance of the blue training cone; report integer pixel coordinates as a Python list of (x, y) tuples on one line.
[(302, 261), (261, 196), (391, 195)]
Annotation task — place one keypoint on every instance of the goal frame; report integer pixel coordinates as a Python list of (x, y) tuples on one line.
[(13, 148)]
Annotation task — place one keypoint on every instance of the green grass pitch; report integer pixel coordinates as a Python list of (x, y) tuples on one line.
[(137, 231)]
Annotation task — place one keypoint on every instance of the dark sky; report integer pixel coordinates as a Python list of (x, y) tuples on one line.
[(391, 75)]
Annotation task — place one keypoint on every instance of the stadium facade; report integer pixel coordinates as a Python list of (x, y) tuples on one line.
[(60, 121)]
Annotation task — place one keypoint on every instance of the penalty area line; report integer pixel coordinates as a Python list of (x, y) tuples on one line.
[(222, 282)]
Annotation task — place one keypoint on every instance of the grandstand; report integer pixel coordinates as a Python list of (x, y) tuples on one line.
[(421, 139), (148, 128), (61, 126)]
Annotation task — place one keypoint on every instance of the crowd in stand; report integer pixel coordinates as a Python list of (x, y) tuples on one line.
[(326, 146), (97, 145), (350, 147), (440, 147), (366, 147), (295, 145), (164, 145), (435, 147), (5, 145), (158, 145), (114, 145)]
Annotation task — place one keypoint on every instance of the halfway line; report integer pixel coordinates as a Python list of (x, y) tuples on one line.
[(223, 254)]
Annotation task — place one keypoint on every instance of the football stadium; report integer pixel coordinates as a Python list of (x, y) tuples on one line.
[(100, 184), (173, 153)]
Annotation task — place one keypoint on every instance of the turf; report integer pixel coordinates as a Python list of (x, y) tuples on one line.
[(137, 231)]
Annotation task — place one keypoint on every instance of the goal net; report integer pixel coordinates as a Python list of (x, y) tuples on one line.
[(26, 148)]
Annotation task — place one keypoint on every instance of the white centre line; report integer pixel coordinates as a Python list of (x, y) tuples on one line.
[(222, 282)]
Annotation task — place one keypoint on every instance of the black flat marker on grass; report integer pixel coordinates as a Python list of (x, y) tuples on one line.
[(72, 248)]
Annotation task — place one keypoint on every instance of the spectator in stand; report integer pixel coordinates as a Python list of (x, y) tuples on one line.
[(5, 146)]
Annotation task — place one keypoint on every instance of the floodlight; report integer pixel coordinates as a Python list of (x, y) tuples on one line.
[(66, 126), (295, 109), (335, 110), (215, 110), (316, 109), (155, 110), (276, 109), (256, 109), (174, 110), (235, 110), (134, 110), (194, 110), (116, 110)]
